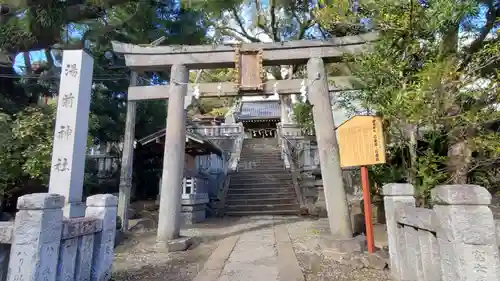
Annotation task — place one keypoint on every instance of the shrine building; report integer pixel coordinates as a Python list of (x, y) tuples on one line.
[(259, 118)]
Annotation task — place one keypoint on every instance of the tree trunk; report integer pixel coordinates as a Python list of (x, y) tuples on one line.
[(459, 159), (411, 136)]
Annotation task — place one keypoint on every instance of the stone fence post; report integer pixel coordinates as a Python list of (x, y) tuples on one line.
[(396, 194), (36, 238), (466, 233), (104, 207)]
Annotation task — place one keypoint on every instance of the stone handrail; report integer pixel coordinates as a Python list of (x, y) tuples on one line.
[(285, 153), (223, 194), (294, 130), (291, 163), (46, 246), (217, 131), (236, 153), (456, 240)]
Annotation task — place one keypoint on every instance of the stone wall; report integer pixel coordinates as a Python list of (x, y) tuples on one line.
[(43, 245), (456, 240)]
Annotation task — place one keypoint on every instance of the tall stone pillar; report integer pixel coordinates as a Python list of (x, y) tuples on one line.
[(127, 159), (335, 196), (173, 159), (70, 133)]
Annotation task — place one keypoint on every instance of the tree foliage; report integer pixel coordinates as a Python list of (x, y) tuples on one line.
[(51, 26), (25, 148), (432, 76)]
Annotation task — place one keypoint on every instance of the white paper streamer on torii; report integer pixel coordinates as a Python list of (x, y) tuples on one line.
[(290, 114), (303, 90), (219, 90), (189, 97), (196, 91)]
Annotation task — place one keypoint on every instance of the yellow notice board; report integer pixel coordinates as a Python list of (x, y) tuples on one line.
[(361, 141)]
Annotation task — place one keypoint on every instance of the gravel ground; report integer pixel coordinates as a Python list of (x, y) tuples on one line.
[(138, 258), (317, 267)]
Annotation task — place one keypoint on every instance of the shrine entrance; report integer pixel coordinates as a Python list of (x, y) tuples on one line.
[(248, 60), (259, 130)]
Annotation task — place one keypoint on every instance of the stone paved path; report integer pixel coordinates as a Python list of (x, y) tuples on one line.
[(261, 251)]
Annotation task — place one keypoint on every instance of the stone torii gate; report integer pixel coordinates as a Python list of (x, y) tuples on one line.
[(248, 60)]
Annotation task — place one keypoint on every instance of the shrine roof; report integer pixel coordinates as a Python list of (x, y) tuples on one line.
[(251, 110), (191, 137)]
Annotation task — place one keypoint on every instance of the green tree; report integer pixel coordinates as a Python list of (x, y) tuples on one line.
[(26, 148), (432, 76), (26, 124)]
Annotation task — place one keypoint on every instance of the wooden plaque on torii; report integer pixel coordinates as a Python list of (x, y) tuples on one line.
[(249, 71)]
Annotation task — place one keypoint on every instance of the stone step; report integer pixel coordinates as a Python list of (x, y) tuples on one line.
[(254, 144), (255, 148), (258, 172), (262, 179), (252, 190), (260, 145), (260, 169), (261, 154), (260, 185), (248, 181), (233, 213), (271, 142), (253, 172), (270, 167), (259, 196), (252, 175), (260, 160), (261, 141), (232, 201), (263, 207), (263, 159)]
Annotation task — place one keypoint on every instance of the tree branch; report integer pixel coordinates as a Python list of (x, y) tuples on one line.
[(303, 25), (243, 32), (226, 30), (274, 28), (492, 18)]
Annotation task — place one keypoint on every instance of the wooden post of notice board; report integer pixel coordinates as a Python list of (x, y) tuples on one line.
[(361, 143)]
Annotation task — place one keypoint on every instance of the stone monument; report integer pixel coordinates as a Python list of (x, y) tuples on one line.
[(70, 133)]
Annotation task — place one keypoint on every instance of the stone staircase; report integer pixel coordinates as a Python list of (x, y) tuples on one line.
[(261, 186)]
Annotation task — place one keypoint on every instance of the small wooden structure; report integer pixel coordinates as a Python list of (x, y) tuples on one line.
[(197, 185), (248, 61), (195, 144)]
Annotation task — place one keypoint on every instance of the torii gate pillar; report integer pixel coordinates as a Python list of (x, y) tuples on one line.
[(331, 172), (169, 219)]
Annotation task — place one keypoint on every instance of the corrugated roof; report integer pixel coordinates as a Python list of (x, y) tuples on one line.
[(259, 110), (189, 135)]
